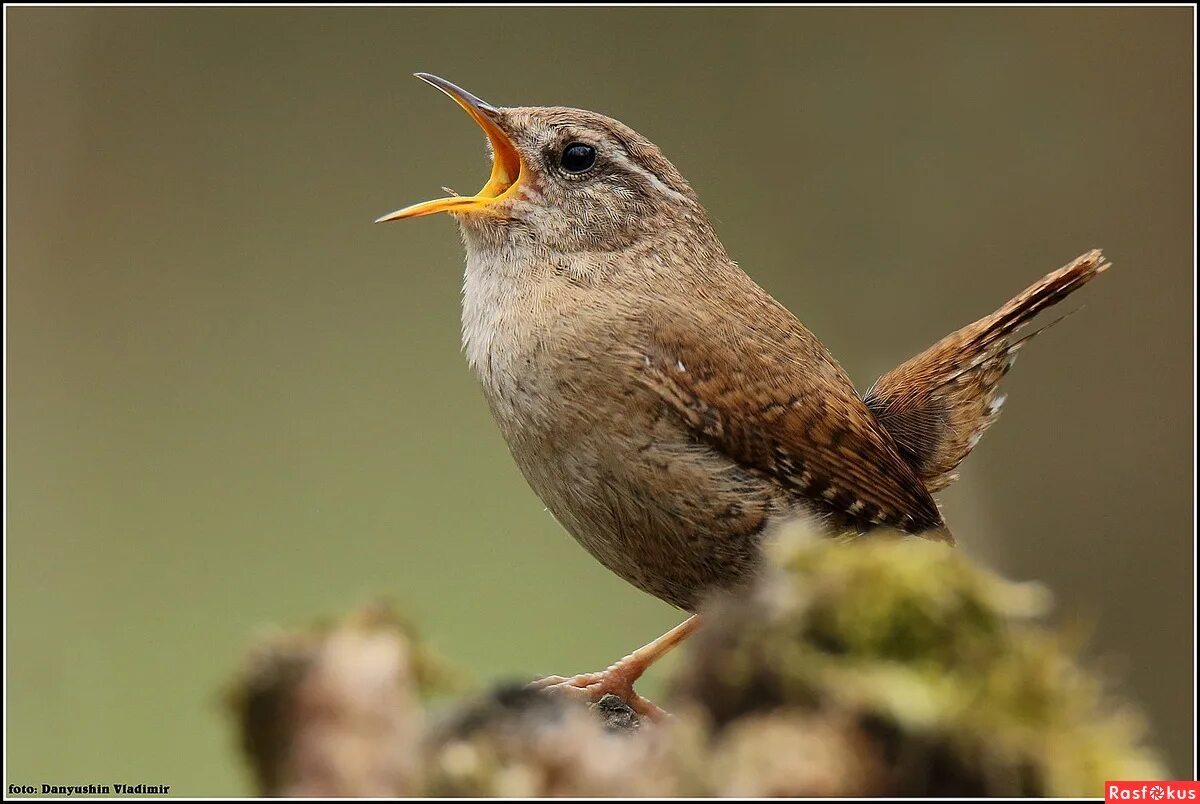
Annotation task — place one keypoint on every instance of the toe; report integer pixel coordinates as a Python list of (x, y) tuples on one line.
[(581, 680), (546, 681), (591, 687)]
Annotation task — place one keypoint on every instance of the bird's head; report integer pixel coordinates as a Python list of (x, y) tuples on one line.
[(563, 180)]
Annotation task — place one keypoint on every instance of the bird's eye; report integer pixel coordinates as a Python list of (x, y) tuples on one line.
[(578, 157)]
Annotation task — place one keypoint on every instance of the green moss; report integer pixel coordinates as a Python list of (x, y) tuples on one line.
[(925, 648)]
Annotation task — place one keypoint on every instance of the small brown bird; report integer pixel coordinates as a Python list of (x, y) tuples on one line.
[(667, 410)]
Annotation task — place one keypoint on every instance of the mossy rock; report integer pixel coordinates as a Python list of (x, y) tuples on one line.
[(940, 665)]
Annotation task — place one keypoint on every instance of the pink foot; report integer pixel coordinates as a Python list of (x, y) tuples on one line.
[(618, 679), (591, 687)]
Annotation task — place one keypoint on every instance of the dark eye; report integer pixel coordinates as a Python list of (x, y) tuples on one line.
[(578, 157)]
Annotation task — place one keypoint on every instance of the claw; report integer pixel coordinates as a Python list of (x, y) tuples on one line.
[(591, 687), (619, 679)]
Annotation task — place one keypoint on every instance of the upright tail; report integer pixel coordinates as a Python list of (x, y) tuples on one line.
[(937, 404)]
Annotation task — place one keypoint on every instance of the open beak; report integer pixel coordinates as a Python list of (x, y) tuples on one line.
[(506, 162)]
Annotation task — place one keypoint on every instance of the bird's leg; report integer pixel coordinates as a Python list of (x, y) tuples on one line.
[(619, 678)]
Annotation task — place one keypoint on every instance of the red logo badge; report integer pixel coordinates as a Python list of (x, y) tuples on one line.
[(1152, 791)]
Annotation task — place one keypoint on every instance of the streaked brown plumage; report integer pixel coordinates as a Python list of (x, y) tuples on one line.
[(667, 410), (937, 405)]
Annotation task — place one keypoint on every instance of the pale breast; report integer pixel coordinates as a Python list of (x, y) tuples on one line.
[(612, 465)]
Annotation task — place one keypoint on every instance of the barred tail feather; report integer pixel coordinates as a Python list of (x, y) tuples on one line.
[(938, 404)]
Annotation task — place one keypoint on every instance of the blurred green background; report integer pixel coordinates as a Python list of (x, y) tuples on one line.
[(233, 402)]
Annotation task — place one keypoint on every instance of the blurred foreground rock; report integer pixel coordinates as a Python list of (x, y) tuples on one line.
[(889, 667)]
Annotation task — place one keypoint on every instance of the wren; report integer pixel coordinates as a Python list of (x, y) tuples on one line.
[(667, 410)]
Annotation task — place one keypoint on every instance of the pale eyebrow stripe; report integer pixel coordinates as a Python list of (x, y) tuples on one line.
[(655, 181)]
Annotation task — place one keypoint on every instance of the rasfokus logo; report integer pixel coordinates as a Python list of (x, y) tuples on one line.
[(1152, 791)]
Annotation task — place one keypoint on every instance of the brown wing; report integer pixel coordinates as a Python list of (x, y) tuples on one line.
[(938, 404), (755, 385)]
